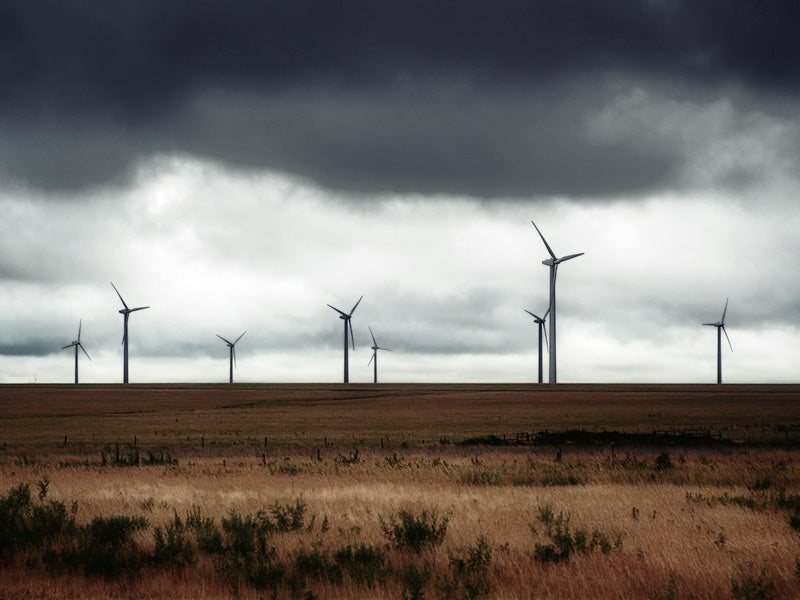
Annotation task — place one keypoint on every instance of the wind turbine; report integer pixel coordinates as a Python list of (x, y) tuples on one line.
[(77, 344), (232, 347), (553, 263), (375, 349), (125, 312), (346, 318), (540, 323), (720, 325)]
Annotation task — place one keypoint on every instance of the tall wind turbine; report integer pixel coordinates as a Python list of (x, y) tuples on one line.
[(125, 312), (346, 318), (232, 347), (77, 344), (720, 325), (553, 263), (540, 325), (374, 358)]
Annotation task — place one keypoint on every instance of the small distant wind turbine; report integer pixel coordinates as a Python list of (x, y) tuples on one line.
[(374, 358), (720, 325), (346, 318), (553, 263), (232, 347), (540, 325), (77, 344), (125, 312)]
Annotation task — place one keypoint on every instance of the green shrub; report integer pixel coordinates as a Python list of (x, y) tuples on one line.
[(469, 573), (288, 517), (416, 533), (25, 524), (107, 546), (663, 462), (315, 564), (563, 542), (172, 547), (363, 563), (206, 533), (414, 581)]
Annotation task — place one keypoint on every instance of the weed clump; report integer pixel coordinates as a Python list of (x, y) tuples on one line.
[(416, 533), (469, 572), (26, 524), (563, 541)]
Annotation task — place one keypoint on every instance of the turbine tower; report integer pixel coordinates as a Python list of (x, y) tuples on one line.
[(77, 344), (540, 324), (232, 347), (125, 312), (346, 318), (720, 325), (375, 349), (553, 263)]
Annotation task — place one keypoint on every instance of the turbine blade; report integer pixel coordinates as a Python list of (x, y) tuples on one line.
[(546, 343), (570, 257), (710, 324), (352, 339), (544, 318), (727, 338), (224, 340), (355, 306), (387, 349), (67, 346), (80, 323), (84, 351), (371, 358), (724, 311), (240, 337), (138, 308), (372, 334), (233, 354), (118, 294), (530, 313), (549, 249), (338, 311)]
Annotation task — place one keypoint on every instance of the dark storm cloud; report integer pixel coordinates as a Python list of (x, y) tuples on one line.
[(89, 87)]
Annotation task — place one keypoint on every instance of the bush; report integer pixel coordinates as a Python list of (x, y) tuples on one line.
[(663, 462), (107, 546), (25, 524), (564, 542), (206, 532), (416, 533), (364, 564), (317, 565), (414, 581), (172, 548), (469, 573)]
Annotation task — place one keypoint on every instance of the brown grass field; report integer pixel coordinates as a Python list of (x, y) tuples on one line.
[(671, 517)]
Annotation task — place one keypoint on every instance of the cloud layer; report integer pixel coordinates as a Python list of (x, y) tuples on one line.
[(238, 166)]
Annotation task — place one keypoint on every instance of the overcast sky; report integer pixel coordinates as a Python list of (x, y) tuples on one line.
[(239, 165)]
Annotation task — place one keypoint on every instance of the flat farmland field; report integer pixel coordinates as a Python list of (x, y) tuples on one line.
[(400, 491)]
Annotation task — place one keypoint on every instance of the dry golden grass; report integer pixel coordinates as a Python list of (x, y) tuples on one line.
[(683, 532)]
